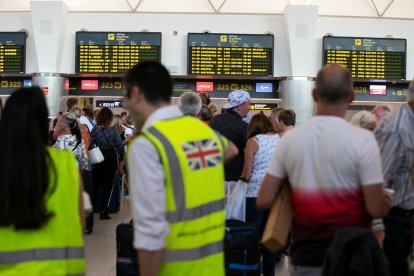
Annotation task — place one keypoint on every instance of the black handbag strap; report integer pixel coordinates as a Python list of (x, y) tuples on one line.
[(77, 144)]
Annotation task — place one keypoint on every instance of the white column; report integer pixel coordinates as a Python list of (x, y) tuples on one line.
[(49, 23), (296, 89), (300, 23)]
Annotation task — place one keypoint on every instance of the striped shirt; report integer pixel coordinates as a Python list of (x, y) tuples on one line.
[(395, 138)]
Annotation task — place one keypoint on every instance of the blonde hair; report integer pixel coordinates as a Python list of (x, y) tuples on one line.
[(117, 123), (363, 118)]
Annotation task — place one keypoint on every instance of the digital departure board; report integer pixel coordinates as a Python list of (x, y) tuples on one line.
[(230, 54), (367, 58), (12, 52), (115, 52)]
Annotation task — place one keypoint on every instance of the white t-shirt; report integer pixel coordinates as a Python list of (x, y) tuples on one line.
[(327, 152), (327, 161), (129, 131)]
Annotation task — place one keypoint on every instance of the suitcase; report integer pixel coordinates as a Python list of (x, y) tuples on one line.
[(126, 255), (241, 248)]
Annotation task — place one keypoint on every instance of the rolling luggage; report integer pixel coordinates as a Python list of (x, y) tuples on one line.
[(126, 255), (241, 248)]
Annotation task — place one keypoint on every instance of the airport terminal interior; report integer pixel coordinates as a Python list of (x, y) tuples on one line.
[(272, 49)]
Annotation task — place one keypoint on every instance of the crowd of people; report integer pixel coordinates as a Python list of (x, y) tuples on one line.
[(337, 173)]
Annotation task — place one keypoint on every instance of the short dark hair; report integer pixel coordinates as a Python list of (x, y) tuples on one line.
[(71, 102), (334, 84), (88, 110), (105, 117), (259, 124), (152, 78), (124, 114), (205, 98), (205, 114), (287, 116)]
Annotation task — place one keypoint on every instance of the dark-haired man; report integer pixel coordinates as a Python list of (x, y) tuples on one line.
[(287, 120), (87, 116), (334, 170), (71, 103), (176, 176)]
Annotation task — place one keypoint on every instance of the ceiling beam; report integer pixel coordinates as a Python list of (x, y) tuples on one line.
[(221, 6), (386, 9), (376, 9), (211, 4), (129, 4), (137, 6)]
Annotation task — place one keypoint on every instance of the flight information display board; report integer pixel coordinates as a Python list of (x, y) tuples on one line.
[(12, 52), (367, 58), (115, 52), (230, 54)]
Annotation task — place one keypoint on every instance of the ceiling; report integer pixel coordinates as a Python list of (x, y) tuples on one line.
[(354, 8)]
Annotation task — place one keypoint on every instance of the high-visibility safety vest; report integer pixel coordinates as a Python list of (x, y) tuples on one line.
[(192, 156), (57, 248)]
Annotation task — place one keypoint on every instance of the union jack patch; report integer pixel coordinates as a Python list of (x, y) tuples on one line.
[(202, 154)]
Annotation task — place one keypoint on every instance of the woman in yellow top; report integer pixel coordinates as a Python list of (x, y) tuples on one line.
[(40, 204)]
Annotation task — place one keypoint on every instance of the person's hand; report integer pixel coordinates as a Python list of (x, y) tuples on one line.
[(379, 235), (121, 168), (388, 195)]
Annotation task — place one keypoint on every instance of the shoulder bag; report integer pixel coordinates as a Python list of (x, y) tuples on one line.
[(95, 154)]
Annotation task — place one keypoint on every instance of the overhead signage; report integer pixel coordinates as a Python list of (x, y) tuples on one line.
[(12, 52), (367, 58), (378, 90), (263, 106), (108, 103), (27, 83), (89, 84), (230, 54), (204, 86), (115, 52), (264, 87)]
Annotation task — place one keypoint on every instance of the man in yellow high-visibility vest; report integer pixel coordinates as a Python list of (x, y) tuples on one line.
[(176, 177)]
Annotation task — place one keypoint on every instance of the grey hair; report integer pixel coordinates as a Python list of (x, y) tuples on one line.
[(410, 95), (190, 103), (362, 118)]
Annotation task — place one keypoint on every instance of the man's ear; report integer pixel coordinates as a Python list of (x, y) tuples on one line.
[(315, 95), (136, 95)]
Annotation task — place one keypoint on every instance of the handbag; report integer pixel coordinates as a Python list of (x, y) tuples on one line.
[(95, 153), (236, 200), (279, 222)]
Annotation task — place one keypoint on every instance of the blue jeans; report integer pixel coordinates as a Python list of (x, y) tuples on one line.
[(256, 215)]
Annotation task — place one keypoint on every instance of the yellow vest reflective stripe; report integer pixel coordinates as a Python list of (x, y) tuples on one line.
[(41, 255), (57, 248), (194, 194)]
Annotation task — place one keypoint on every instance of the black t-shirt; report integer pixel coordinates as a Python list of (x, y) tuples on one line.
[(232, 126)]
